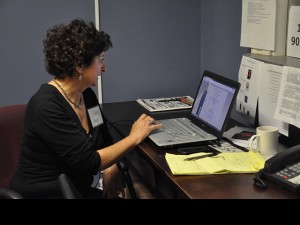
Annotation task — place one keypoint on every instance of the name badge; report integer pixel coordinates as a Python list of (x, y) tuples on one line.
[(95, 116)]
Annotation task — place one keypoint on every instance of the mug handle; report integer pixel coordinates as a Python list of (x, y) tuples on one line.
[(251, 141)]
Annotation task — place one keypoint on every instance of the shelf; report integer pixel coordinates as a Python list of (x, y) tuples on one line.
[(277, 60)]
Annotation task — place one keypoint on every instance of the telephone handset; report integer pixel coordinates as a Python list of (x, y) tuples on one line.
[(283, 169)]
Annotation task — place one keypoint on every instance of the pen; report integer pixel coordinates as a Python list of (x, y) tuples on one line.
[(199, 157)]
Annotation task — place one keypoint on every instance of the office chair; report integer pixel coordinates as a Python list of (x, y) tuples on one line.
[(124, 167), (11, 128), (69, 191), (9, 194)]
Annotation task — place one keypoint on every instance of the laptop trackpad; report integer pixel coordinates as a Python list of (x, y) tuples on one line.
[(162, 137)]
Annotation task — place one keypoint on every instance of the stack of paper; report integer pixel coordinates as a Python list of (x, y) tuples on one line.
[(164, 104), (238, 162)]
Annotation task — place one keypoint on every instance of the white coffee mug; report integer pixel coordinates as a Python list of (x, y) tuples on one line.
[(267, 140)]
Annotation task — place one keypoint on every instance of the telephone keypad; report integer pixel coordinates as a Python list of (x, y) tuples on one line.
[(291, 173)]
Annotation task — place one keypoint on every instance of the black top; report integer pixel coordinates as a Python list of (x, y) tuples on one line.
[(55, 142)]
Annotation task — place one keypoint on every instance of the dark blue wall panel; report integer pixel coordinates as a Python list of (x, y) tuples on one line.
[(161, 47), (157, 48), (220, 39), (23, 26)]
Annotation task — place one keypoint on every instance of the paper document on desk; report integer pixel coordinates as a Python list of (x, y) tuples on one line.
[(165, 104), (238, 162)]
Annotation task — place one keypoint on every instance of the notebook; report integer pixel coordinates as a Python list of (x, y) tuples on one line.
[(208, 117)]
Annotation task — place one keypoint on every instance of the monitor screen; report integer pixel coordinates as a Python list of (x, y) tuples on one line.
[(213, 101)]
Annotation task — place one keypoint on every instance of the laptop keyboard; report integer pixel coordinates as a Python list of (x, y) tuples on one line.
[(179, 130), (191, 128)]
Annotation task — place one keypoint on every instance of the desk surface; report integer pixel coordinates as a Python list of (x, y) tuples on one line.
[(227, 186)]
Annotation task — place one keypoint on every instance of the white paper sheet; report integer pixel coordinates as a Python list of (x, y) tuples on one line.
[(249, 79), (293, 40), (288, 106), (268, 97), (258, 24)]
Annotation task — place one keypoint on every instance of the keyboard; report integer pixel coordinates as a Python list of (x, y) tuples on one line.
[(182, 129)]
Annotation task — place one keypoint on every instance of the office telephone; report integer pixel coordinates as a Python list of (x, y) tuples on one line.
[(282, 169)]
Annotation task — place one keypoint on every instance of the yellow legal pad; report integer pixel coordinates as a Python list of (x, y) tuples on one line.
[(238, 162)]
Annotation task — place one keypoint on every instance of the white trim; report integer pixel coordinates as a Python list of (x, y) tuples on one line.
[(97, 15), (97, 24), (100, 96)]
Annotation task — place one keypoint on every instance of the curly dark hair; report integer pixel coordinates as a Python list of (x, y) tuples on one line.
[(75, 44)]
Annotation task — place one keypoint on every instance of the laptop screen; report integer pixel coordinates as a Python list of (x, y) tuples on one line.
[(214, 100)]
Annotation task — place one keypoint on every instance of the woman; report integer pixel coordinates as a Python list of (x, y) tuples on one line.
[(64, 129)]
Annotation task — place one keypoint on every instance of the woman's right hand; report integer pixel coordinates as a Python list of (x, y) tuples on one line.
[(143, 127)]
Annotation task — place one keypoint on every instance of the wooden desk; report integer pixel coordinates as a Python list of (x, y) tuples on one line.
[(227, 186)]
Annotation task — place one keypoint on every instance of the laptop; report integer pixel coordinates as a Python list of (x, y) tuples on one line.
[(208, 117)]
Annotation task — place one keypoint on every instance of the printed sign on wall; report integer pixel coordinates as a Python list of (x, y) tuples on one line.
[(293, 37)]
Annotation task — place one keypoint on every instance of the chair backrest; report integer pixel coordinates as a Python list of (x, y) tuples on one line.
[(69, 191), (9, 194), (11, 128)]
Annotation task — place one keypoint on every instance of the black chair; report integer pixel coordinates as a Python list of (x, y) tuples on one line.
[(9, 194), (124, 167), (11, 126), (69, 191)]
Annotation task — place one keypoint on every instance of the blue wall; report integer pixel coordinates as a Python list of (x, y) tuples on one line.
[(157, 48), (23, 25), (161, 47), (220, 40)]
